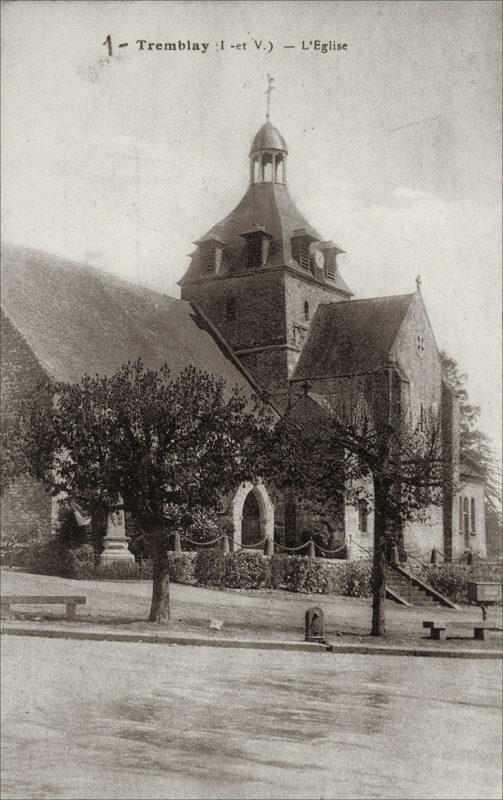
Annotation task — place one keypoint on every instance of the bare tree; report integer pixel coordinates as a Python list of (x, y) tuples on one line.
[(373, 451)]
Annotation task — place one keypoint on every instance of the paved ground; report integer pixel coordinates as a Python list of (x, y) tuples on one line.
[(275, 615), (108, 720)]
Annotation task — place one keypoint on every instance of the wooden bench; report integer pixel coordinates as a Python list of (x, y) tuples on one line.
[(70, 601), (479, 629), (436, 631)]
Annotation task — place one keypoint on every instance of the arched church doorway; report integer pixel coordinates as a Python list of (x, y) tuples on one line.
[(252, 514), (250, 523)]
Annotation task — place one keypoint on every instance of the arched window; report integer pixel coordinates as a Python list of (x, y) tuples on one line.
[(472, 517), (466, 519), (306, 311), (363, 514)]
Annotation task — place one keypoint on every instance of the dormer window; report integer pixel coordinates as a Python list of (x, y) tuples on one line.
[(301, 241), (258, 242), (254, 252), (211, 254), (330, 267)]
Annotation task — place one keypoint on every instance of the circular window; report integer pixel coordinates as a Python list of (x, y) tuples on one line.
[(420, 344)]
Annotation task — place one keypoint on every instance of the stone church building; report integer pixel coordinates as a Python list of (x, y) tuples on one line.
[(263, 304)]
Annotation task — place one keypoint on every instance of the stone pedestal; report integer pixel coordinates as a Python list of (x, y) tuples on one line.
[(115, 542)]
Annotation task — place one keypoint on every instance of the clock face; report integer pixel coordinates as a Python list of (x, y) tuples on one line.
[(319, 259)]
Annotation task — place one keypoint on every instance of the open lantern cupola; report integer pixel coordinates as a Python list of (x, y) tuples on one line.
[(268, 156)]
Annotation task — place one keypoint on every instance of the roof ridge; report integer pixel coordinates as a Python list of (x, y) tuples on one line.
[(83, 265), (366, 299)]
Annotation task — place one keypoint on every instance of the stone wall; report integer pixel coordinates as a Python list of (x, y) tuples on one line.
[(26, 506), (259, 302), (476, 538), (298, 292)]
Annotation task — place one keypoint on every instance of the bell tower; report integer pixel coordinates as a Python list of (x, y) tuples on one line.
[(260, 273)]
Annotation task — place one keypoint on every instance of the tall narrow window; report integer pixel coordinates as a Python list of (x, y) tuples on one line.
[(472, 517), (461, 515), (466, 520), (208, 262), (254, 251), (301, 241), (306, 311), (363, 516), (230, 309), (300, 252)]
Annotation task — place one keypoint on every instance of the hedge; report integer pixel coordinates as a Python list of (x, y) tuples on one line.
[(241, 570), (245, 570)]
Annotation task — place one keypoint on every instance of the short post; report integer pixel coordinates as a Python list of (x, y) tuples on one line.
[(269, 547), (311, 553), (177, 546), (435, 557), (225, 543), (313, 625)]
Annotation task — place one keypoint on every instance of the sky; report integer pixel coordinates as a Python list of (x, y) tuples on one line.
[(123, 161)]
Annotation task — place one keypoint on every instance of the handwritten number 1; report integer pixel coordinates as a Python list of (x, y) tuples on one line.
[(108, 42)]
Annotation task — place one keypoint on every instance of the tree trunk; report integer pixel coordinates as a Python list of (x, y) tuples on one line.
[(381, 491), (159, 609)]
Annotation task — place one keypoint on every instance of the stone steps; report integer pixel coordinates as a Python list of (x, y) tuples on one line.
[(412, 590)]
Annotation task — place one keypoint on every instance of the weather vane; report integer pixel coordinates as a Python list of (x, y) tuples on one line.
[(270, 87), (418, 282)]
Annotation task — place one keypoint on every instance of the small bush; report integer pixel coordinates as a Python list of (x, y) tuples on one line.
[(45, 557), (52, 557), (450, 580), (319, 533), (124, 571), (305, 575), (278, 568), (357, 580), (245, 570), (181, 569), (209, 567), (80, 561)]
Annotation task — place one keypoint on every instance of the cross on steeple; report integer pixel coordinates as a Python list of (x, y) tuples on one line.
[(270, 87), (418, 282)]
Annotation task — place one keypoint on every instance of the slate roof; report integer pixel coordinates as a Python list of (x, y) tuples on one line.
[(268, 206), (78, 319), (352, 336)]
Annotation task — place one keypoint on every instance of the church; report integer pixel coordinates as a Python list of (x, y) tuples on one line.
[(263, 304)]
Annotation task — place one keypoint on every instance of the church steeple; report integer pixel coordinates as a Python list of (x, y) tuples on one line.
[(268, 151), (261, 271)]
